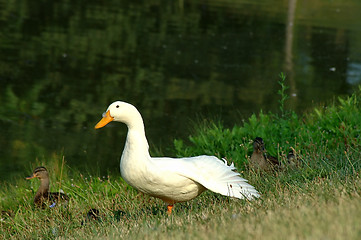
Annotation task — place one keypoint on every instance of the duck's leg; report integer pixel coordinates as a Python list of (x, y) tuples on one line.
[(169, 209)]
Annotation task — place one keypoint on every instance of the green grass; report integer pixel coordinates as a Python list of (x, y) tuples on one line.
[(319, 200)]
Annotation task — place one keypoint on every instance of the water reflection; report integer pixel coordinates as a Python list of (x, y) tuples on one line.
[(289, 69), (63, 62)]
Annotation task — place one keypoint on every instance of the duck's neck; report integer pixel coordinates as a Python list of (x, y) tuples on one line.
[(136, 142), (136, 151), (43, 189)]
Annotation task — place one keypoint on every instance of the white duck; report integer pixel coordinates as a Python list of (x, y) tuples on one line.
[(171, 179)]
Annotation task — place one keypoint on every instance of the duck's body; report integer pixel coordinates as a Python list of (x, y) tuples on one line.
[(151, 179), (260, 160), (171, 179), (43, 195), (182, 179)]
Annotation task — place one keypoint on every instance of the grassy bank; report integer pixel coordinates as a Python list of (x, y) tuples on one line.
[(319, 199)]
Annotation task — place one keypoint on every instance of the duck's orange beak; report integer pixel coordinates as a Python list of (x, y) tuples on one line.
[(31, 177), (105, 120)]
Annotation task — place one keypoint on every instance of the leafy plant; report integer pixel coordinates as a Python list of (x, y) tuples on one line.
[(282, 93), (320, 138)]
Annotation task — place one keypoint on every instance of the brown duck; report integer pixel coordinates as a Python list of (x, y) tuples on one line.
[(260, 160), (292, 159), (43, 197)]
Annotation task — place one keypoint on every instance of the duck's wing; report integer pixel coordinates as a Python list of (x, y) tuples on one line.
[(58, 195), (55, 197), (273, 160), (215, 175)]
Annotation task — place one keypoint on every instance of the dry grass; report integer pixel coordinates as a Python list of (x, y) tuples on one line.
[(320, 209)]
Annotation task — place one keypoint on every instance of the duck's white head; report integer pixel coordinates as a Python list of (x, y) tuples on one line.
[(121, 112)]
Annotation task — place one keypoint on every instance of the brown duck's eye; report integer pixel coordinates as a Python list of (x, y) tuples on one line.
[(117, 106)]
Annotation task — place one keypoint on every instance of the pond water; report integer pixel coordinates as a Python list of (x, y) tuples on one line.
[(63, 62)]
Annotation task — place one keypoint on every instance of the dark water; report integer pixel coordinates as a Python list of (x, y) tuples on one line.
[(63, 62)]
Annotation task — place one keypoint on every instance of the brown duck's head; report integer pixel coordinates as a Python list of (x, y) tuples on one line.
[(39, 172), (291, 154), (258, 145)]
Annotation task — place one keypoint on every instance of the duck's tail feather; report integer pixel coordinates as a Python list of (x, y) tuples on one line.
[(220, 177)]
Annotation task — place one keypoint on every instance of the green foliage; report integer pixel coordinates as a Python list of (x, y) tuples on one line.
[(282, 93), (323, 139)]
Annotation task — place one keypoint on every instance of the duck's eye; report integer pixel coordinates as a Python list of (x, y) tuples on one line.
[(117, 106)]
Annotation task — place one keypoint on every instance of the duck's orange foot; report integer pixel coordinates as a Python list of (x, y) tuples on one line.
[(169, 209)]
